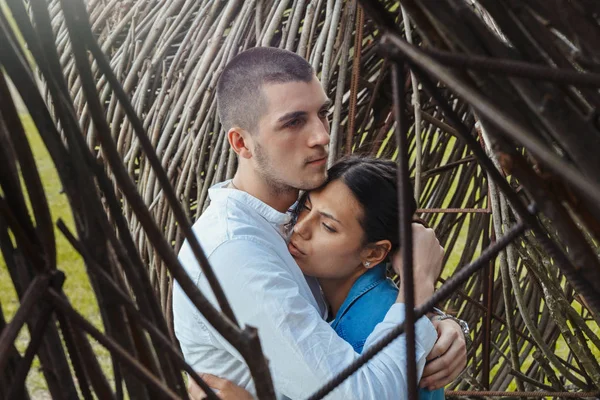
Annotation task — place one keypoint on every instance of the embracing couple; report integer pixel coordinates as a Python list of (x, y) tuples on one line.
[(309, 272)]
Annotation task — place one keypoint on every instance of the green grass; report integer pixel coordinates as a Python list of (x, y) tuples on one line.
[(77, 286)]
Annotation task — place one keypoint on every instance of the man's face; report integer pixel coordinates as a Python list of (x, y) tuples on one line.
[(291, 142)]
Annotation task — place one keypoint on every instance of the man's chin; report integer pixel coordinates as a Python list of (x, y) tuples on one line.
[(316, 182)]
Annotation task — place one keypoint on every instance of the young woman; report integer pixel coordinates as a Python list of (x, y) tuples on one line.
[(343, 234)]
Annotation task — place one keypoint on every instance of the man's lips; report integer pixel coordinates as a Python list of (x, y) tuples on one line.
[(318, 161), (295, 251)]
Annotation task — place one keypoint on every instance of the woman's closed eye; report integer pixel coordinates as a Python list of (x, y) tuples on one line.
[(329, 228)]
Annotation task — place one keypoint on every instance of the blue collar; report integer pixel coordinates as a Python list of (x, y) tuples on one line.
[(363, 284)]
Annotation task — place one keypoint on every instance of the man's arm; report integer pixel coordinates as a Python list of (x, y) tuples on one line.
[(224, 389), (303, 350), (228, 390), (448, 358)]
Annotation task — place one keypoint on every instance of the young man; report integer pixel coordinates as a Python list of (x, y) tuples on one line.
[(275, 112)]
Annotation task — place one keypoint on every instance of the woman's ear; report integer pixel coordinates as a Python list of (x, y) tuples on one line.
[(375, 253), (239, 140)]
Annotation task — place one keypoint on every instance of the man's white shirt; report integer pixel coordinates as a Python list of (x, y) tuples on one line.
[(245, 243)]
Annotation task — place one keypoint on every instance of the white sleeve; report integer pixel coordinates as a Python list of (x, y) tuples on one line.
[(303, 350)]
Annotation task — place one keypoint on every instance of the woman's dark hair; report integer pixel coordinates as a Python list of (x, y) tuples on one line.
[(373, 183)]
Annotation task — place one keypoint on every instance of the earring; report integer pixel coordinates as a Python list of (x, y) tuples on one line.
[(367, 263)]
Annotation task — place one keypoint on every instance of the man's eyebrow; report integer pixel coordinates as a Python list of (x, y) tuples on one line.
[(291, 115), (296, 114)]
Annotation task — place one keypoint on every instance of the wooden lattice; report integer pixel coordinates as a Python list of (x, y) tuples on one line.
[(535, 64)]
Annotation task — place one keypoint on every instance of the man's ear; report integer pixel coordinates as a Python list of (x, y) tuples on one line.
[(240, 142), (375, 253)]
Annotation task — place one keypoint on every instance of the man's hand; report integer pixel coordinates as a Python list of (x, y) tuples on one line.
[(225, 389), (448, 357), (427, 263)]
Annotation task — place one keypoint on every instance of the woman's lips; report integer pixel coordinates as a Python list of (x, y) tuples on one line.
[(294, 250)]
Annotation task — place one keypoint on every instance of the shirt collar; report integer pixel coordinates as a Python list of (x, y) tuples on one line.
[(373, 275), (363, 284), (221, 192)]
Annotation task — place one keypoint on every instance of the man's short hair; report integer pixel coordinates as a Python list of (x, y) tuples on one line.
[(240, 100)]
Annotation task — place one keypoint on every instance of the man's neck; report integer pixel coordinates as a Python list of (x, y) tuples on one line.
[(280, 200)]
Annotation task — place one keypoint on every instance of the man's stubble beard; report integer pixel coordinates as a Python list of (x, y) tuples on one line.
[(266, 169), (267, 172)]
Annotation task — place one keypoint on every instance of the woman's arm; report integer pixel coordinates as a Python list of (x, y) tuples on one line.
[(448, 358)]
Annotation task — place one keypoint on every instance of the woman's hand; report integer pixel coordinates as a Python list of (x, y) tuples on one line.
[(427, 263), (225, 390)]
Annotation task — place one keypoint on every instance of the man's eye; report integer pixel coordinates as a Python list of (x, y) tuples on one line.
[(294, 123), (304, 207), (324, 114)]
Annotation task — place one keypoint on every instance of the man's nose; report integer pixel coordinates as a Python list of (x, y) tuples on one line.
[(320, 134)]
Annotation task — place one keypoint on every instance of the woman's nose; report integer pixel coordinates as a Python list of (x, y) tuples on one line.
[(302, 228)]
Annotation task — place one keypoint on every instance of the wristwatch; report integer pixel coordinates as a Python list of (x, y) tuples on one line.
[(440, 316)]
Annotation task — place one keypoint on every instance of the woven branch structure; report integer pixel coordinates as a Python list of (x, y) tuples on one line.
[(489, 105)]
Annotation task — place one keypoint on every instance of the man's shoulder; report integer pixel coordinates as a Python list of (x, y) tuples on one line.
[(212, 222), (229, 221), (239, 243)]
